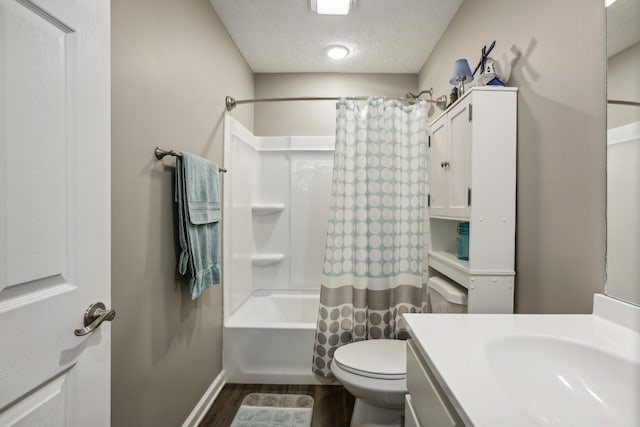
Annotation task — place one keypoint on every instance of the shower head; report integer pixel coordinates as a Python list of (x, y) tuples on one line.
[(412, 98), (410, 95)]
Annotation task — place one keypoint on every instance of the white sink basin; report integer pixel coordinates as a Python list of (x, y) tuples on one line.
[(560, 382), (526, 370)]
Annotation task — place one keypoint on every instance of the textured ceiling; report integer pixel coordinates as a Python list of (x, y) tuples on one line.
[(384, 36)]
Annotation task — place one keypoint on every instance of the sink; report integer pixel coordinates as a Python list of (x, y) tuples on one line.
[(530, 370), (562, 382)]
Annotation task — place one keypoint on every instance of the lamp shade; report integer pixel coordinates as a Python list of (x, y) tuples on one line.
[(461, 69)]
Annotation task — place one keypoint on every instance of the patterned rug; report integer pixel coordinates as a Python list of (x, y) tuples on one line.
[(274, 410)]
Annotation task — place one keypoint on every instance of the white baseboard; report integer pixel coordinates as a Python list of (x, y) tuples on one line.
[(207, 399)]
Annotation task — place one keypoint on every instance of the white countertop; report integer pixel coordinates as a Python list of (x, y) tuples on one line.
[(460, 350)]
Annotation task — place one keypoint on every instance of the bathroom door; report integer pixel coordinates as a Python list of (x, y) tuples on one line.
[(54, 211)]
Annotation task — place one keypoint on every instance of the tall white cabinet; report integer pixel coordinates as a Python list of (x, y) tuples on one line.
[(473, 179)]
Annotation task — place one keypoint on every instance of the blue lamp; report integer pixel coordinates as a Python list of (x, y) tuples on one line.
[(461, 73)]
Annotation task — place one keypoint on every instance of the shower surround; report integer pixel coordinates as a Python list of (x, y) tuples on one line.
[(276, 203)]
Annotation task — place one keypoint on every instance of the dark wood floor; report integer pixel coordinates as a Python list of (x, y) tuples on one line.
[(332, 403)]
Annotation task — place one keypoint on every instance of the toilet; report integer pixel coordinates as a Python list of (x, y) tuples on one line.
[(375, 371)]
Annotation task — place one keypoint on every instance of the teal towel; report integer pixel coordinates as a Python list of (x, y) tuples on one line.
[(197, 194)]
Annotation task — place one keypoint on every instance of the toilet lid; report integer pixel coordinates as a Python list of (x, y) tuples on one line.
[(382, 358)]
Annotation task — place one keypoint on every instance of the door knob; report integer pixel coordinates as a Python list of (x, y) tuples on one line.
[(93, 318)]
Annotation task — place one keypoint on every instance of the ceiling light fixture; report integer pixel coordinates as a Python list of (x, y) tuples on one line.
[(331, 7), (337, 51)]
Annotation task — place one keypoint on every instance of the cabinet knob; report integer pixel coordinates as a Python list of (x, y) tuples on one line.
[(444, 164)]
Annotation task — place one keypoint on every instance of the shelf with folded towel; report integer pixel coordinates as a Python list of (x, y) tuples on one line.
[(267, 208), (261, 260)]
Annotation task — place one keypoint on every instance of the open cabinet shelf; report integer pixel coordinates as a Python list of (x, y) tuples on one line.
[(449, 265)]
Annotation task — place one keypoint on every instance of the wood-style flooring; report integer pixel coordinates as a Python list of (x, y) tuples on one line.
[(332, 403)]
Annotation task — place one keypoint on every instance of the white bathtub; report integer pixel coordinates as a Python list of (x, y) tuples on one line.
[(269, 339)]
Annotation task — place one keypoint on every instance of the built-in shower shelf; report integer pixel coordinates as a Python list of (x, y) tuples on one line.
[(267, 208), (266, 259)]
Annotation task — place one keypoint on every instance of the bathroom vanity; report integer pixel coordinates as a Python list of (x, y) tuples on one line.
[(525, 370), (473, 180)]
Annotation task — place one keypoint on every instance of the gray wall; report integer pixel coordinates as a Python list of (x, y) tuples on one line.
[(173, 63), (554, 51), (317, 117), (623, 84)]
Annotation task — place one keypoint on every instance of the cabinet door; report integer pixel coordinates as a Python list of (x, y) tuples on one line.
[(430, 403), (459, 166), (410, 417), (437, 169)]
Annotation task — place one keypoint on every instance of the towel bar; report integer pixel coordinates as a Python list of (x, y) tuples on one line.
[(160, 154)]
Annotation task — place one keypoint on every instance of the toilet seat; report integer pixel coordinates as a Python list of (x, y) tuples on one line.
[(383, 359)]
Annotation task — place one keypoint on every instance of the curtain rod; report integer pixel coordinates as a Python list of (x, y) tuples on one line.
[(613, 101), (231, 102)]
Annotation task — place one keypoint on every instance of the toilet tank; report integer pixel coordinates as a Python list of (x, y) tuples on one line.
[(445, 296)]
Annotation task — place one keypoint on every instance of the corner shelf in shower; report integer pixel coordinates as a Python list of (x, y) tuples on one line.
[(267, 208), (261, 260)]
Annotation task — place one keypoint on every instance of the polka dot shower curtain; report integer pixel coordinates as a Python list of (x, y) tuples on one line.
[(373, 261)]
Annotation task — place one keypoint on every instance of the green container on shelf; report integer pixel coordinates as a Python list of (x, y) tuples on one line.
[(462, 241)]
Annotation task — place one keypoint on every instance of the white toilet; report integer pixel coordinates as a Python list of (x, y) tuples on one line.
[(375, 371)]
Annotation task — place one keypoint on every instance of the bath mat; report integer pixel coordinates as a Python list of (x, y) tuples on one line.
[(274, 410)]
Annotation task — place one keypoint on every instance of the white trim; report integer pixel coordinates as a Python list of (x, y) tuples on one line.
[(207, 399), (234, 129), (617, 311), (624, 133)]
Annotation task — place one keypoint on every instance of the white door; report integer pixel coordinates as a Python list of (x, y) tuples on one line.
[(54, 211), (438, 168), (459, 168)]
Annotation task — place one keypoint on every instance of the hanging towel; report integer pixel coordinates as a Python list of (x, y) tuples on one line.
[(197, 193)]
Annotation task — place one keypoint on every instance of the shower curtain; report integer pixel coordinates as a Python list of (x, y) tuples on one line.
[(373, 260)]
